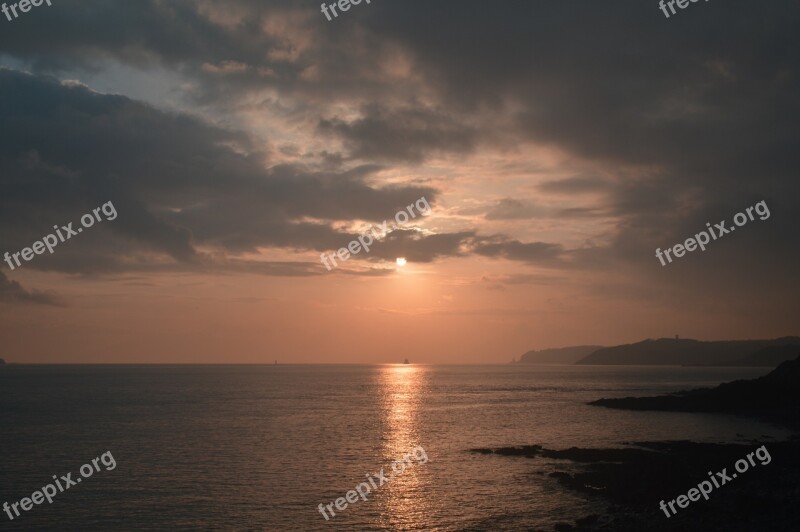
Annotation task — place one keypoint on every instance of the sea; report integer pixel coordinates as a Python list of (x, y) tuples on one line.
[(248, 447)]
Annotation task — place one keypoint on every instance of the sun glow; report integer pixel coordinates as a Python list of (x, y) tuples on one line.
[(401, 261)]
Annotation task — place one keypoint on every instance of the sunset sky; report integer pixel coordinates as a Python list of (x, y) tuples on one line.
[(558, 144)]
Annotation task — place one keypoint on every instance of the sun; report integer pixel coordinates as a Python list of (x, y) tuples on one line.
[(401, 261)]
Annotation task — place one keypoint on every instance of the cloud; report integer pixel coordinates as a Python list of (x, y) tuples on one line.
[(692, 124), (408, 134), (189, 195), (530, 252), (417, 246), (512, 209), (576, 185), (182, 187), (12, 291)]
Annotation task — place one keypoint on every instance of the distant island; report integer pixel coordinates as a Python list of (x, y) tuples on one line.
[(2, 361), (674, 352)]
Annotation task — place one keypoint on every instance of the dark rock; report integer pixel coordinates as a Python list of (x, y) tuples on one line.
[(588, 520), (482, 451), (635, 479)]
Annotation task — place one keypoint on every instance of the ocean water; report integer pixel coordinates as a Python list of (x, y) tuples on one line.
[(260, 447)]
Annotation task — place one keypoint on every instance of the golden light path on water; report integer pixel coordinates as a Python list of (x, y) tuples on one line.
[(405, 499)]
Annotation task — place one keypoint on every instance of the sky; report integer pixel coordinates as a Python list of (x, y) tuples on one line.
[(558, 145)]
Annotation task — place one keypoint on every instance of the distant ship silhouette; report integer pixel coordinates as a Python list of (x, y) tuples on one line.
[(406, 362)]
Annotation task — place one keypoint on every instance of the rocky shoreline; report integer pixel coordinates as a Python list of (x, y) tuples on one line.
[(634, 479)]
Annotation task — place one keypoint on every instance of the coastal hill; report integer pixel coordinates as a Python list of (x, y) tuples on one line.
[(558, 355), (775, 397), (2, 361), (668, 351)]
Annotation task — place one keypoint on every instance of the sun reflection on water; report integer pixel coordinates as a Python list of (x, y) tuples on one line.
[(404, 501)]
